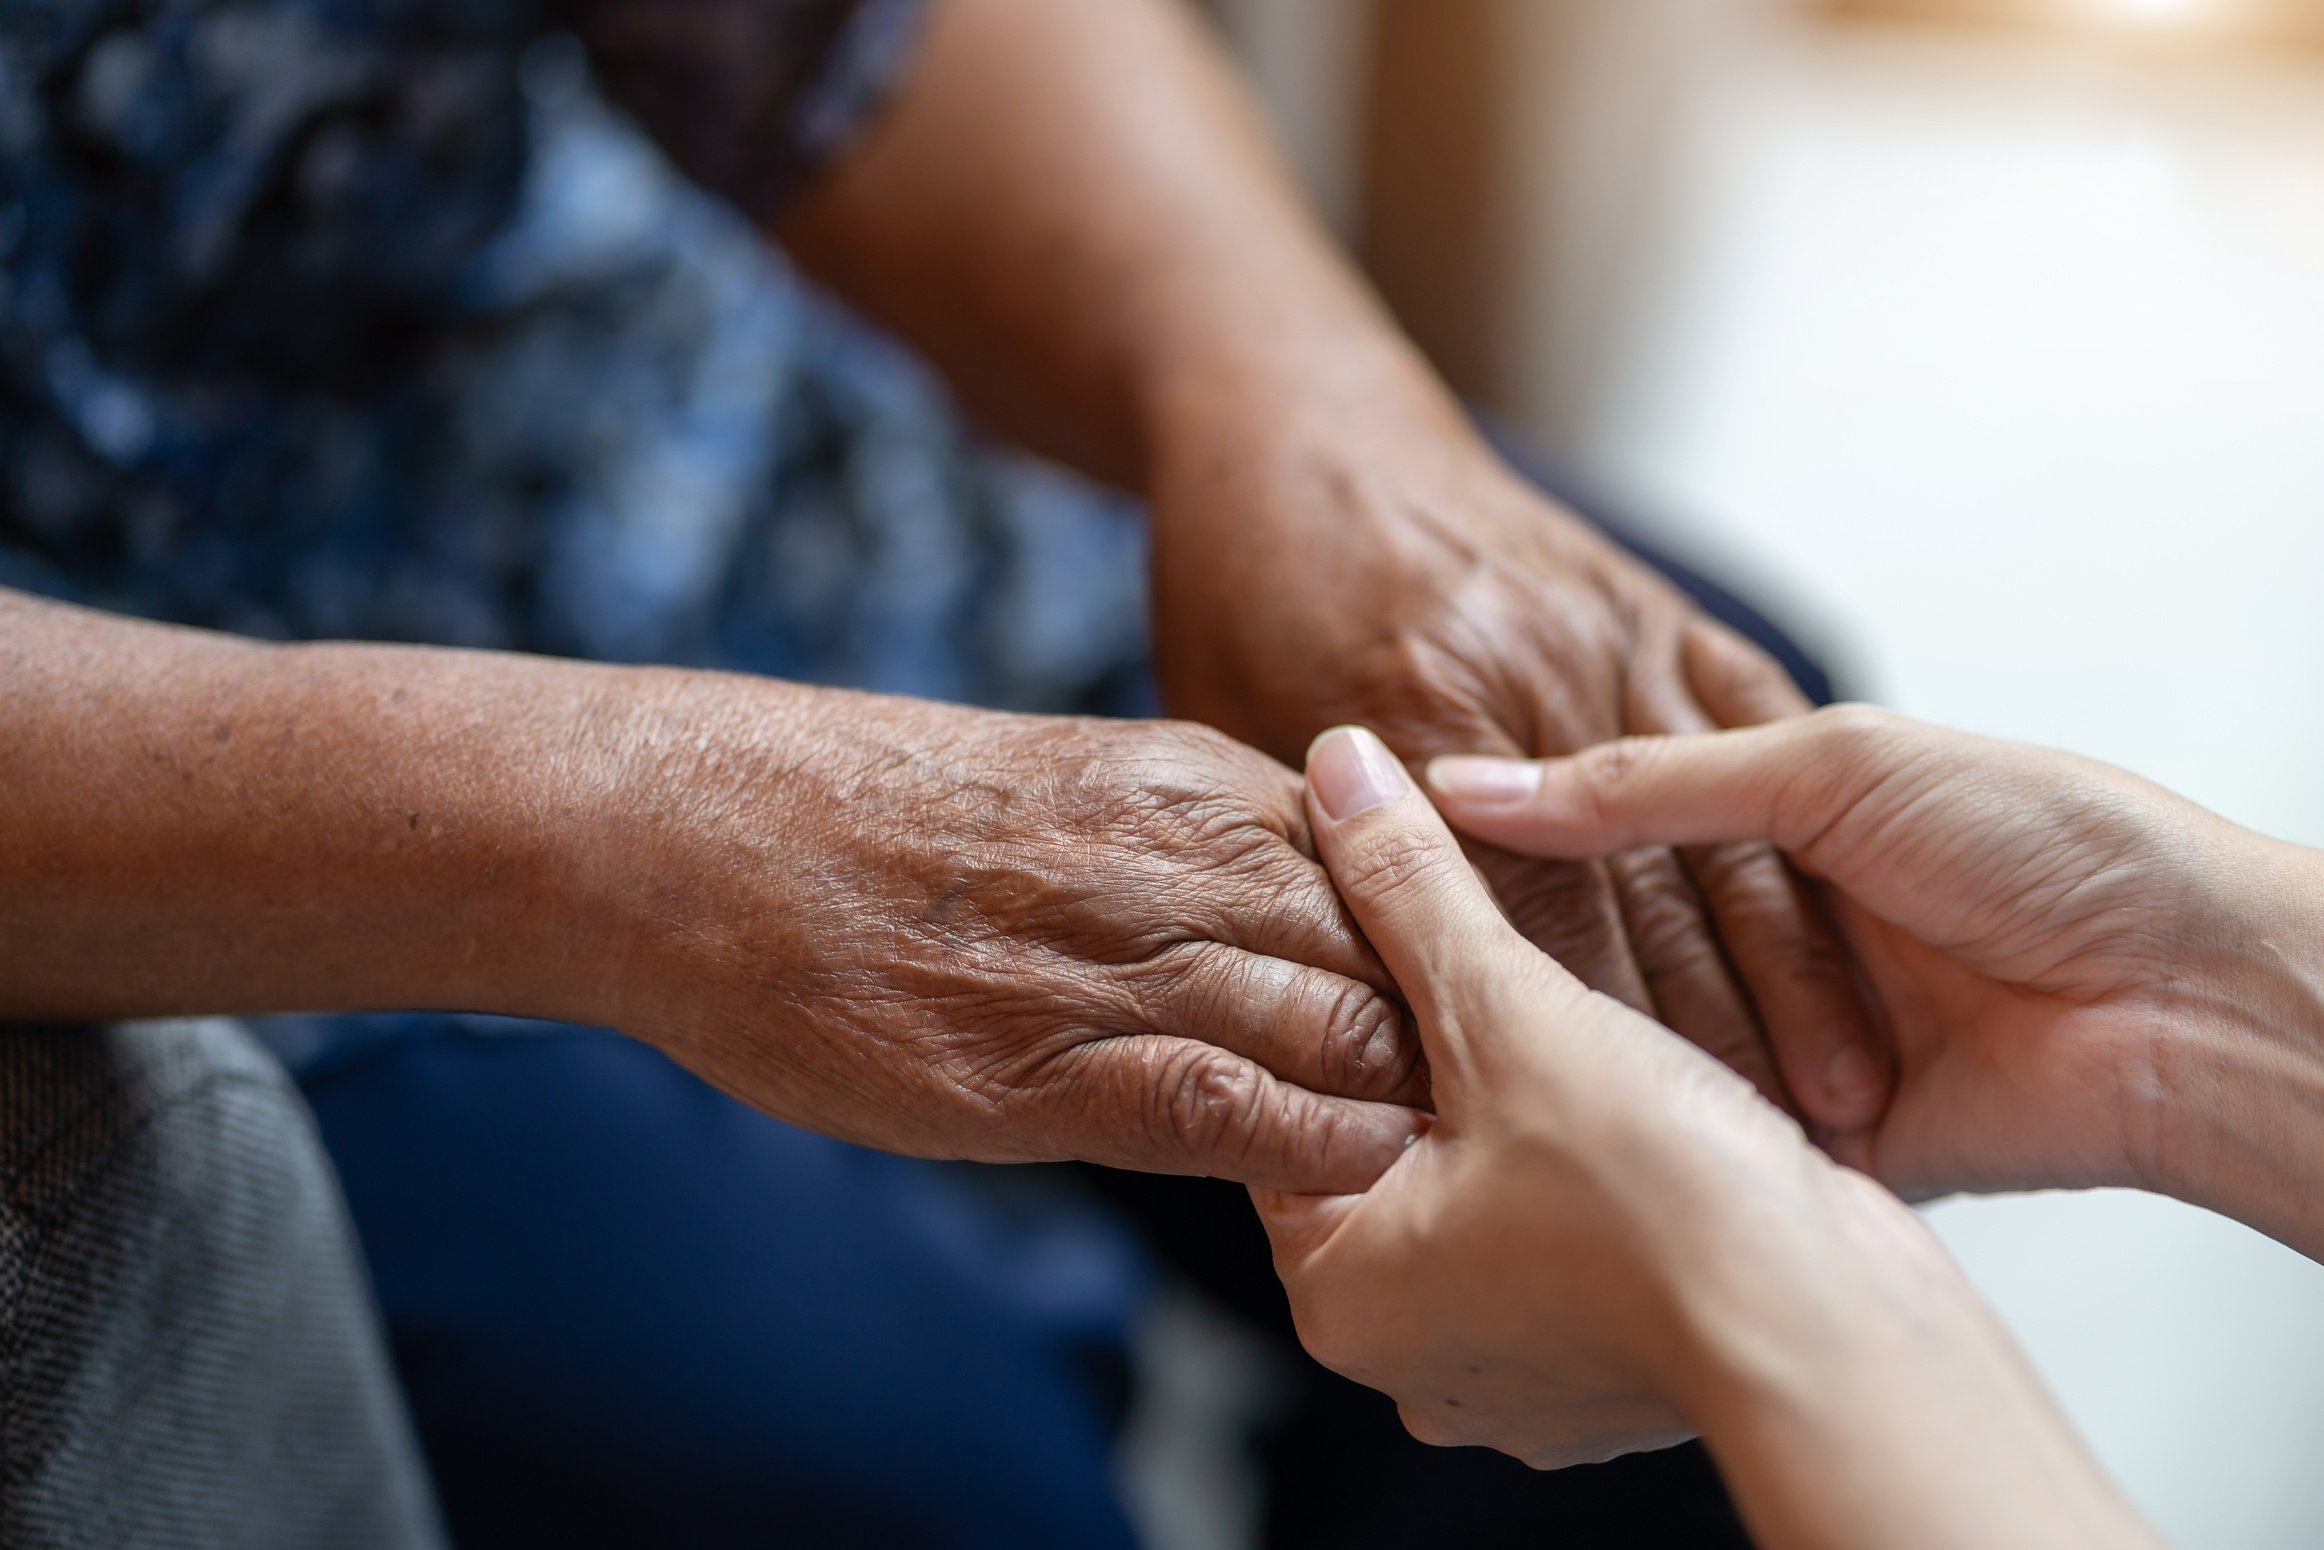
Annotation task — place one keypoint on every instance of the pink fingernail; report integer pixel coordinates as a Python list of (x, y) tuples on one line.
[(1352, 772), (1484, 782)]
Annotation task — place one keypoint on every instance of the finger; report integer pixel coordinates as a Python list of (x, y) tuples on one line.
[(1703, 789), (1279, 904), (1165, 1105), (1696, 990), (1739, 791), (1670, 928), (1777, 938), (1324, 1032), (1569, 910), (1804, 983), (1736, 682), (1406, 881)]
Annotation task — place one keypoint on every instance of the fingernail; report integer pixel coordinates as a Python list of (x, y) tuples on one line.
[(1384, 1050), (1353, 772), (1854, 1080), (1484, 782)]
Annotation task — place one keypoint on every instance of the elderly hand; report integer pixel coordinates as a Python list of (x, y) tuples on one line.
[(955, 933), (2088, 980), (1386, 569)]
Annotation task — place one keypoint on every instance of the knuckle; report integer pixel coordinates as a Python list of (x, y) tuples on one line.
[(1204, 753), (1860, 752), (1388, 867), (1181, 984), (1364, 1052), (1566, 907), (1668, 932), (1608, 771), (1856, 729), (1734, 665), (1209, 1104), (1749, 887)]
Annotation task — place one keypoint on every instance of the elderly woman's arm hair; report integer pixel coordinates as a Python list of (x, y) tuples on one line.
[(200, 823)]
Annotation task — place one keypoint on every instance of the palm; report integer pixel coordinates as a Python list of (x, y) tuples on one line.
[(2005, 1079)]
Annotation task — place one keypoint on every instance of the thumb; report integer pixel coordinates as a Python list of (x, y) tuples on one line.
[(1407, 882), (1298, 1226)]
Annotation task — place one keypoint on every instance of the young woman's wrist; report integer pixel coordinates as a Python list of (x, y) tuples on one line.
[(1847, 1384), (1771, 1310), (2295, 941), (2240, 1078)]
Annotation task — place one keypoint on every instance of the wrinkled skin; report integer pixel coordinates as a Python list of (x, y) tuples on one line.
[(964, 934), (1394, 574)]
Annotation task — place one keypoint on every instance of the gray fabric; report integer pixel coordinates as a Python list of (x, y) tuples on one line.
[(188, 1351)]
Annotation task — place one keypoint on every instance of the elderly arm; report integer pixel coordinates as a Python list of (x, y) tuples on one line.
[(934, 930), (201, 823), (1073, 210)]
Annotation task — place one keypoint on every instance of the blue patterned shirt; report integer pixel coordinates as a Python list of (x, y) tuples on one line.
[(448, 321)]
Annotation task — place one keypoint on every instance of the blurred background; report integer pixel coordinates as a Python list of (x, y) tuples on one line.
[(1986, 339)]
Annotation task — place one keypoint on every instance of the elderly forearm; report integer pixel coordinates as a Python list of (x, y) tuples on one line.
[(1074, 211), (197, 823)]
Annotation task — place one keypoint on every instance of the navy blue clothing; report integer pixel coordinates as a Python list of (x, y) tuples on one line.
[(628, 1310)]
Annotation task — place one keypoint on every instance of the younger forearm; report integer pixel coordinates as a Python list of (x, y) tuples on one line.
[(197, 823), (1871, 1398), (2241, 1074)]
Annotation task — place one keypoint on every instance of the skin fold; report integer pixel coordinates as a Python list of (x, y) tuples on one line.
[(957, 933)]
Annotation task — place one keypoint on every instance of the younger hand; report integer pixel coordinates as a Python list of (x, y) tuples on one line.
[(1543, 1271), (2070, 961)]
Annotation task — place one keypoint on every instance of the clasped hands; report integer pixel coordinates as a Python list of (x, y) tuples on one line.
[(957, 933), (1607, 1240), (1013, 938)]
